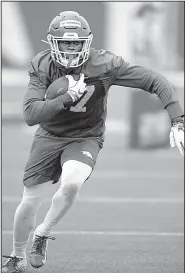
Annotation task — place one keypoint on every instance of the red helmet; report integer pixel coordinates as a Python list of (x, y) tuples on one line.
[(69, 26)]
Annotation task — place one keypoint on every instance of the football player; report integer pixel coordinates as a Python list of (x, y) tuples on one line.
[(71, 126)]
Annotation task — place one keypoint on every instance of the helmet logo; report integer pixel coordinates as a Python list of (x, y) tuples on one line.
[(70, 23), (70, 35)]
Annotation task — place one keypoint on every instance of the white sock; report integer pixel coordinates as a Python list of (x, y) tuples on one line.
[(44, 229), (19, 249)]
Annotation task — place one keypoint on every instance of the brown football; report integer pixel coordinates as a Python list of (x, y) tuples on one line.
[(59, 87)]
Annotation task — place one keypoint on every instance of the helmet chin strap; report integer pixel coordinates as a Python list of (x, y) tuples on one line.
[(69, 61)]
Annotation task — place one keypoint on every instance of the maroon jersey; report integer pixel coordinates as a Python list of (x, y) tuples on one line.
[(86, 117)]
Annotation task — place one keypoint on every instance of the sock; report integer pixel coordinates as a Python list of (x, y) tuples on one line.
[(19, 249), (44, 229)]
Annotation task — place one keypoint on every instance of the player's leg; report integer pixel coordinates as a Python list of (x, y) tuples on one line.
[(61, 203), (25, 216), (74, 174), (24, 222), (43, 166), (77, 162)]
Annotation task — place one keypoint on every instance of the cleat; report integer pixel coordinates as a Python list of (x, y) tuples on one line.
[(38, 253), (14, 265)]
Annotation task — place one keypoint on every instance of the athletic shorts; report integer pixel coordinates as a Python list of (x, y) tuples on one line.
[(49, 152)]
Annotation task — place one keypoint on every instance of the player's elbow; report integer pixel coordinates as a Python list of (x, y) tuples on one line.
[(30, 122), (29, 119), (29, 116)]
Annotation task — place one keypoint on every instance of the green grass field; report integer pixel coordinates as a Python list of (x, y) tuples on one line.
[(128, 218)]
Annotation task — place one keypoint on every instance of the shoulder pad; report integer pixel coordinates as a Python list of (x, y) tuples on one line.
[(40, 62), (102, 61), (40, 66)]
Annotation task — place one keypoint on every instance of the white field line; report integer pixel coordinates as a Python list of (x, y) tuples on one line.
[(110, 233), (98, 200), (101, 175), (109, 174)]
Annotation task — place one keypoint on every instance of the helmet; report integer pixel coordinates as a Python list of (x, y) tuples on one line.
[(69, 26)]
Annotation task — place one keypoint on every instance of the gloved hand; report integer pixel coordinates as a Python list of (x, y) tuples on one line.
[(177, 136), (76, 88)]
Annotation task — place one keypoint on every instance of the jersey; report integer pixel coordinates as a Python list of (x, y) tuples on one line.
[(87, 116)]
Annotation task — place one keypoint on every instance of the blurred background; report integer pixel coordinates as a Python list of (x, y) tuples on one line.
[(135, 194)]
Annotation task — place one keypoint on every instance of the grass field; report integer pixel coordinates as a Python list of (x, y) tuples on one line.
[(128, 218)]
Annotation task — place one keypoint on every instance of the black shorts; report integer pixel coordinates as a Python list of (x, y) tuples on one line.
[(49, 152)]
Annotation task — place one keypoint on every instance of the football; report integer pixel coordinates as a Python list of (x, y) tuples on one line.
[(59, 87)]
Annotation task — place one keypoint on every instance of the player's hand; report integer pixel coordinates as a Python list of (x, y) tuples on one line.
[(177, 136), (76, 88)]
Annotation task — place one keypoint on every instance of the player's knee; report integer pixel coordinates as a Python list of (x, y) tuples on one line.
[(32, 199), (75, 172), (29, 206), (27, 211), (66, 194), (70, 190)]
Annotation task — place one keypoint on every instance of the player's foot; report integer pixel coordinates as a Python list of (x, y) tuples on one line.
[(38, 253), (14, 265)]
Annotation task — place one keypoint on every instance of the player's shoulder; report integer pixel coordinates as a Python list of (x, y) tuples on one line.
[(42, 60), (103, 61), (102, 56)]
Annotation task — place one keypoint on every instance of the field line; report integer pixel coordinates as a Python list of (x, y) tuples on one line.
[(123, 174), (131, 200), (109, 174), (110, 233)]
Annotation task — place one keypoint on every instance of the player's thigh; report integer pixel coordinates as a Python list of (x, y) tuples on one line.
[(79, 158), (75, 172)]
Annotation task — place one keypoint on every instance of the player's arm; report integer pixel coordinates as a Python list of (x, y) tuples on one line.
[(35, 108), (142, 78)]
